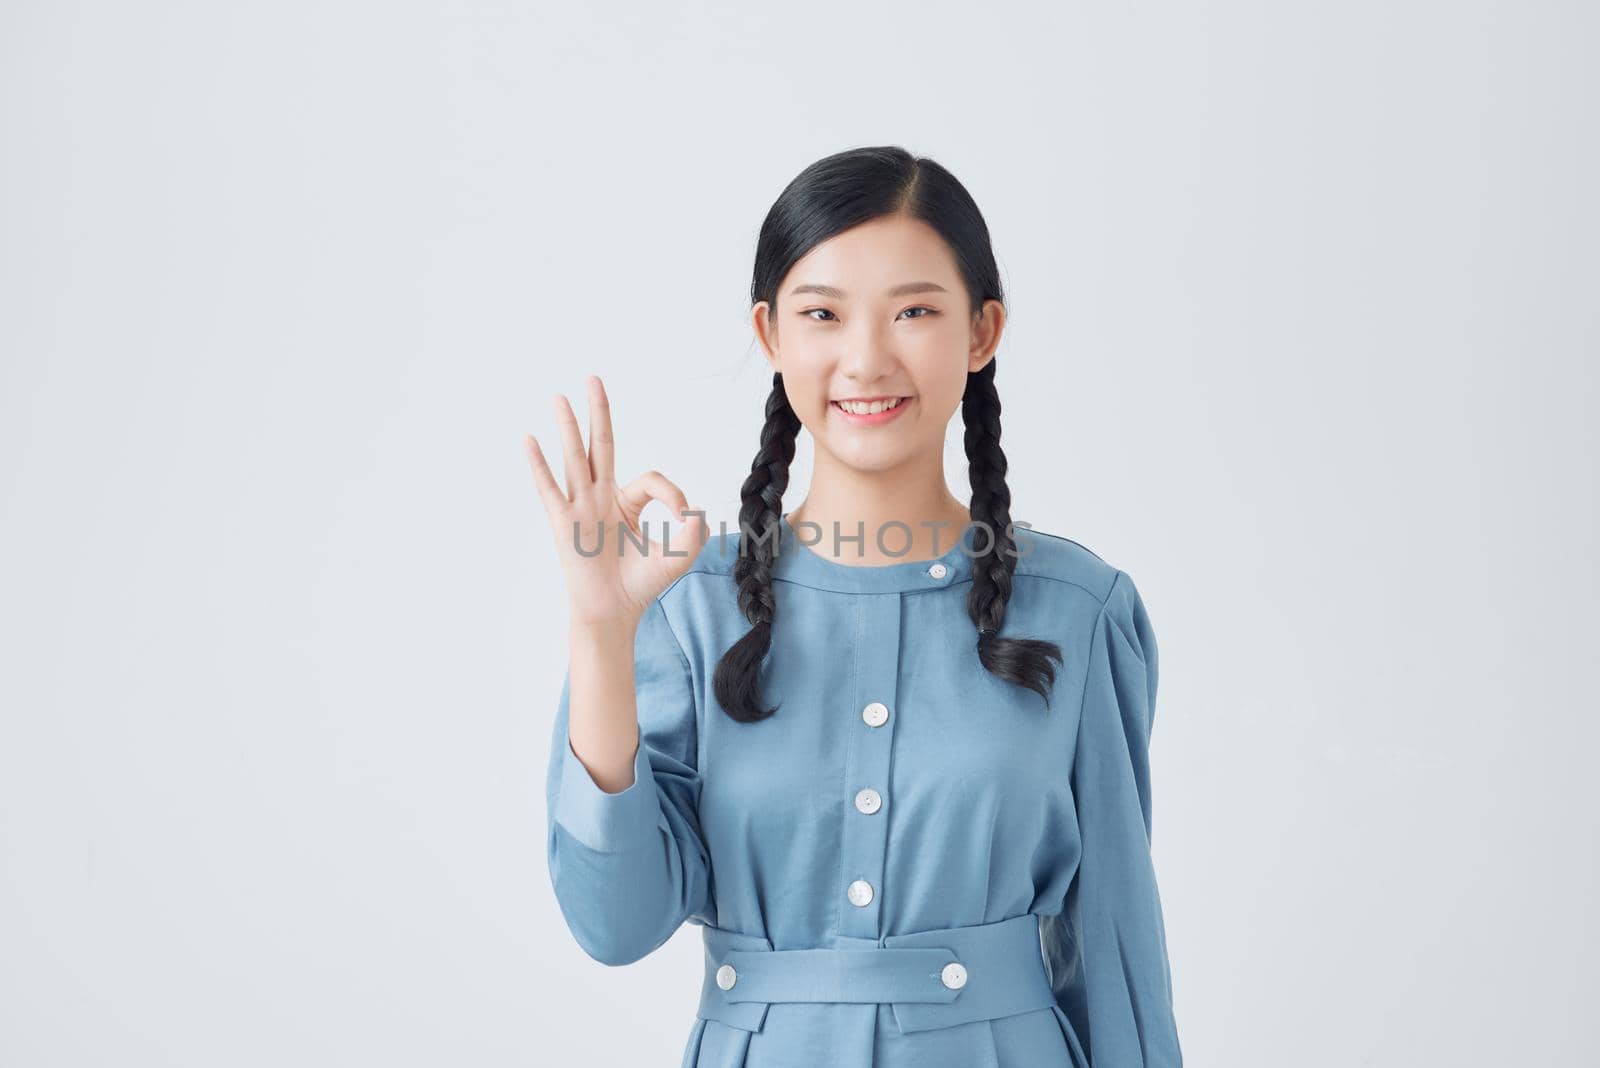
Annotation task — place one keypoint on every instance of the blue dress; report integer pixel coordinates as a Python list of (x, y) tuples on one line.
[(913, 863)]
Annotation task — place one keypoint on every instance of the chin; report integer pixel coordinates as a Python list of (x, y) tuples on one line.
[(870, 459)]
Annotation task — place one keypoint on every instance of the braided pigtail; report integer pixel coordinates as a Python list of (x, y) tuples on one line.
[(1025, 661), (737, 679)]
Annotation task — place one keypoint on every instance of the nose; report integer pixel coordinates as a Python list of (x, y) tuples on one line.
[(868, 358)]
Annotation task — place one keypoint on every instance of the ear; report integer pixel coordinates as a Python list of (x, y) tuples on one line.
[(767, 334), (987, 327)]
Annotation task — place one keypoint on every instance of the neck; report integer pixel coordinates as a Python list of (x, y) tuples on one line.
[(845, 502)]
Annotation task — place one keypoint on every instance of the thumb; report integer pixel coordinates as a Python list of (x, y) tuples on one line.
[(687, 542)]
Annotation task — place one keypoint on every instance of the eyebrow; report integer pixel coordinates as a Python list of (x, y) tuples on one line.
[(898, 291)]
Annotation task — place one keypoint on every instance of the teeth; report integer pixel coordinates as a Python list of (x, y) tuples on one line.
[(872, 408)]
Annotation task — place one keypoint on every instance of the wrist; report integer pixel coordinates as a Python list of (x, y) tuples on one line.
[(604, 629)]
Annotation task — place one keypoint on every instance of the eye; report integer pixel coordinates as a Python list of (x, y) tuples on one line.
[(810, 312)]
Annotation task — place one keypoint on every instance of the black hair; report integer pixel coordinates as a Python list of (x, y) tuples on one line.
[(830, 196)]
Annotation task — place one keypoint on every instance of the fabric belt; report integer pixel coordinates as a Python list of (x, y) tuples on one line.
[(1000, 972)]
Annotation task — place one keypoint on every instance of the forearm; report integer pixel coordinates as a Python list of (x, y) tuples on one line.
[(603, 726)]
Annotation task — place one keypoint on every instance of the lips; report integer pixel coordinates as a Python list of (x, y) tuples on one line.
[(874, 418), (887, 398)]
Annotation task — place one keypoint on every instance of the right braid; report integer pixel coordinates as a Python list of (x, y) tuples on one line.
[(737, 679)]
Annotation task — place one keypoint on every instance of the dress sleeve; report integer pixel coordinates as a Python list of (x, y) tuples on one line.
[(628, 868), (1107, 950)]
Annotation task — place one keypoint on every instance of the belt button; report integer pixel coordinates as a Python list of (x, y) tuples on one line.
[(727, 976), (953, 976)]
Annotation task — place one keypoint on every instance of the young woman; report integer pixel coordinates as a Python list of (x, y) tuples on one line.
[(889, 751)]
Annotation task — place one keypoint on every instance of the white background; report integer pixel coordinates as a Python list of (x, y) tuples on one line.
[(1303, 337)]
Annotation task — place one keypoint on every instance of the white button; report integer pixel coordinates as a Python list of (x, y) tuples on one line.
[(860, 893), (953, 976), (868, 801), (938, 570), (876, 714), (726, 977)]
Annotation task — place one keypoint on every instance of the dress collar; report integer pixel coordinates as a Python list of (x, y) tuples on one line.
[(801, 563)]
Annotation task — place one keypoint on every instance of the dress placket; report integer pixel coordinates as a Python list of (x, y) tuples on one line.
[(872, 717)]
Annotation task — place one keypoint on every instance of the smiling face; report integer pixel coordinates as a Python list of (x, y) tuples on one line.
[(875, 335)]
